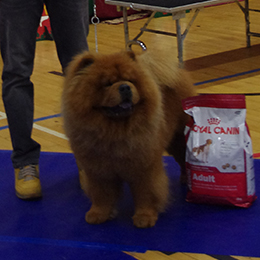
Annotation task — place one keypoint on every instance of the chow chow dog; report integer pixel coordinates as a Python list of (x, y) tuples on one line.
[(121, 112)]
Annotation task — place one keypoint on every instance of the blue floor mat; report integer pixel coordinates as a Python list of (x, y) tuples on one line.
[(54, 227)]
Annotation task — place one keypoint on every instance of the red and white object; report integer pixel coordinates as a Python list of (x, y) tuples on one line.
[(219, 156)]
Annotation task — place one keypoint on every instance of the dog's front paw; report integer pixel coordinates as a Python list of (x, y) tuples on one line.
[(145, 220), (96, 217)]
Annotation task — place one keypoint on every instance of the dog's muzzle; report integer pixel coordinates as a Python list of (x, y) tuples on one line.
[(125, 108)]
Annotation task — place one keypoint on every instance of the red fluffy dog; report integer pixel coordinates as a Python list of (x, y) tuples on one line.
[(121, 112)]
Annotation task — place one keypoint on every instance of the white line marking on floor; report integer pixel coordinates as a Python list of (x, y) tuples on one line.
[(41, 128), (49, 131), (2, 115)]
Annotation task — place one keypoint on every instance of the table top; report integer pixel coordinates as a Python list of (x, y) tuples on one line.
[(165, 5)]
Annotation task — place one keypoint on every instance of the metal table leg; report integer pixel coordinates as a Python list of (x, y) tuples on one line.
[(125, 26), (179, 42)]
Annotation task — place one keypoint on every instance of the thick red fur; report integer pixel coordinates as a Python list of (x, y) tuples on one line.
[(121, 112)]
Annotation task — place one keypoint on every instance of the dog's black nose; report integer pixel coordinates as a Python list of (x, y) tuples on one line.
[(125, 91)]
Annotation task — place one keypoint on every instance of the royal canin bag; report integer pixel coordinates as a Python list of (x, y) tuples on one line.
[(219, 156)]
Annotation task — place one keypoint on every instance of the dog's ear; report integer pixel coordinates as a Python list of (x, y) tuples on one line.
[(131, 54), (79, 62), (84, 62)]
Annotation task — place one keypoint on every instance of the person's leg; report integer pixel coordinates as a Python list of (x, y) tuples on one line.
[(69, 23), (19, 20)]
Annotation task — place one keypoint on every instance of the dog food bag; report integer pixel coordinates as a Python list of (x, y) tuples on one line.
[(219, 156)]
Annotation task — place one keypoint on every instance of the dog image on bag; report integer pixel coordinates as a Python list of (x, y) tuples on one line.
[(121, 112), (202, 151)]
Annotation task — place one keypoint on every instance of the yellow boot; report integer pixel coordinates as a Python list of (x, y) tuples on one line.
[(27, 182)]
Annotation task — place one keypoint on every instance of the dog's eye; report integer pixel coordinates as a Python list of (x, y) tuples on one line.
[(105, 83), (109, 84), (132, 81)]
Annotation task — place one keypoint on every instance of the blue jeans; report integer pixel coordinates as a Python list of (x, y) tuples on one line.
[(19, 20)]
